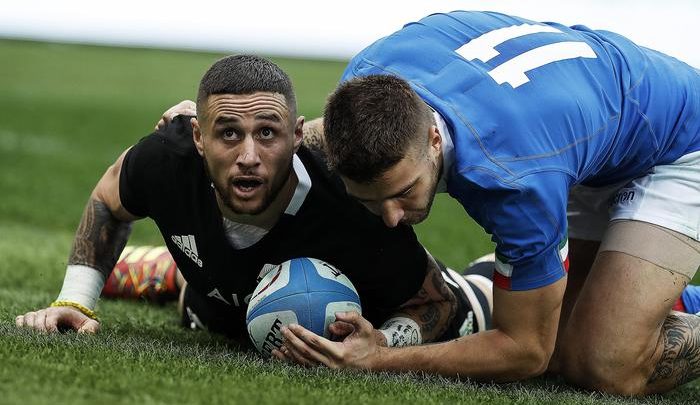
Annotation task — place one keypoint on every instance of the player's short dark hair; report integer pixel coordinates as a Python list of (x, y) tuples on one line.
[(245, 74), (369, 124)]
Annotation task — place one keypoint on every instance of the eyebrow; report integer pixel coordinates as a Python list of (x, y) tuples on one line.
[(269, 116), (399, 194), (225, 119)]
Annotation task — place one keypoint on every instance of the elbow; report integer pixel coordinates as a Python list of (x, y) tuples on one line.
[(530, 361), (534, 363)]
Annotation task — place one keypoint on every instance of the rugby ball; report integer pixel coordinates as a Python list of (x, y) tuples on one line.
[(304, 291)]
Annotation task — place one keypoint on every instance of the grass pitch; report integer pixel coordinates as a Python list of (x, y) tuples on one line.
[(66, 112)]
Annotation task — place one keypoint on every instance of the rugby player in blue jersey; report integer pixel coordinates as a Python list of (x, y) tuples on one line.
[(577, 150)]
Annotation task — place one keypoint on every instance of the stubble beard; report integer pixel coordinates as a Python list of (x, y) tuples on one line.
[(425, 211), (224, 193)]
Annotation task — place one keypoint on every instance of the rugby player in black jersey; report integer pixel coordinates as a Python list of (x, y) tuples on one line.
[(233, 191)]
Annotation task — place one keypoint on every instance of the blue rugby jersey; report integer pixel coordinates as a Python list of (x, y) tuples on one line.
[(533, 109)]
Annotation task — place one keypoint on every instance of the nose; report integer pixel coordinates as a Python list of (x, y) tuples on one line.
[(247, 154), (392, 213)]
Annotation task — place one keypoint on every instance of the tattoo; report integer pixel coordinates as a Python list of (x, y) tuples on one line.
[(429, 319), (680, 359), (444, 291), (434, 305), (313, 135), (100, 238)]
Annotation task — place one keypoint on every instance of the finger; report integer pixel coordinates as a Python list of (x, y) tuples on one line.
[(360, 324), (298, 357), (40, 321), (51, 323), (19, 321), (29, 319), (283, 354), (340, 329), (298, 351), (90, 326), (278, 355), (309, 345)]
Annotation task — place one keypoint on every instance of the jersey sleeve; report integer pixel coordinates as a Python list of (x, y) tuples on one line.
[(148, 167), (132, 188), (527, 221)]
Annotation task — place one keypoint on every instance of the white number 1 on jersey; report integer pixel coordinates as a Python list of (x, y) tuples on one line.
[(513, 70)]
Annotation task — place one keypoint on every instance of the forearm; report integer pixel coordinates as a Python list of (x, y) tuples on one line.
[(100, 238), (313, 134), (430, 311), (519, 346), (489, 356)]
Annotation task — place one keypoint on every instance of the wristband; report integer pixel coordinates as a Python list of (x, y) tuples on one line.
[(82, 285), (86, 311), (401, 332)]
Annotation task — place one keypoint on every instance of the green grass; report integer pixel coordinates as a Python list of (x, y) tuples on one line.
[(66, 112)]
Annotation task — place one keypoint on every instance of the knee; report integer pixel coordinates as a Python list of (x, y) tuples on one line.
[(616, 371)]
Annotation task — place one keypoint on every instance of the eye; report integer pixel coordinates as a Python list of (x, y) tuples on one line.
[(228, 134), (267, 133), (406, 193)]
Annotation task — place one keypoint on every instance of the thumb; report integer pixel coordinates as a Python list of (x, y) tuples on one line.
[(78, 321), (90, 326)]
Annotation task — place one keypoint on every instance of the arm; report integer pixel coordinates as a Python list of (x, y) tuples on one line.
[(99, 240), (431, 309), (313, 134), (518, 347)]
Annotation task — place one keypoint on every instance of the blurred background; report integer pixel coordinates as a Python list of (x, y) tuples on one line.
[(325, 29)]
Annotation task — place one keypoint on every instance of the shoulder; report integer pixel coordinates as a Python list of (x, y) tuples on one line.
[(164, 149)]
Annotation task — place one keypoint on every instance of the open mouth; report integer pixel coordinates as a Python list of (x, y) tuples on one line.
[(247, 184)]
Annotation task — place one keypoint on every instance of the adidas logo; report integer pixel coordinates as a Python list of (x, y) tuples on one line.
[(186, 244)]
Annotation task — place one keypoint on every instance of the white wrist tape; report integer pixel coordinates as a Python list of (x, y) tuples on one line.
[(401, 332), (82, 285)]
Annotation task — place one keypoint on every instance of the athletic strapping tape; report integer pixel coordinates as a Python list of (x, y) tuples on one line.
[(401, 332), (82, 286)]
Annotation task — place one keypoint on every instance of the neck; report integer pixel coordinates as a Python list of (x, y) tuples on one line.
[(269, 217)]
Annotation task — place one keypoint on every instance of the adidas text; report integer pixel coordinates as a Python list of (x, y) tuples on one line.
[(188, 246)]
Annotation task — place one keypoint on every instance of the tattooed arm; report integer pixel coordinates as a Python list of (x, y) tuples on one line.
[(99, 240), (423, 318), (680, 357), (105, 225), (313, 134)]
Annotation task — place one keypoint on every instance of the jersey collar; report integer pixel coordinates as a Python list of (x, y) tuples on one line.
[(448, 151), (303, 187)]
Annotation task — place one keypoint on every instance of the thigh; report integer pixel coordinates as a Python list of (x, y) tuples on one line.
[(615, 324)]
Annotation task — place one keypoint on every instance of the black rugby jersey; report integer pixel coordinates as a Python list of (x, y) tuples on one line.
[(163, 177)]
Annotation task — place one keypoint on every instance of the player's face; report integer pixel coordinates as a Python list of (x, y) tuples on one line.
[(405, 192), (248, 142)]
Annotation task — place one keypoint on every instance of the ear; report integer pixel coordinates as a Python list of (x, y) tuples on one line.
[(434, 141), (298, 132), (197, 136)]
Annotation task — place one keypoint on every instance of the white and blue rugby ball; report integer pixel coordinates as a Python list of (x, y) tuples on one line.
[(304, 291)]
